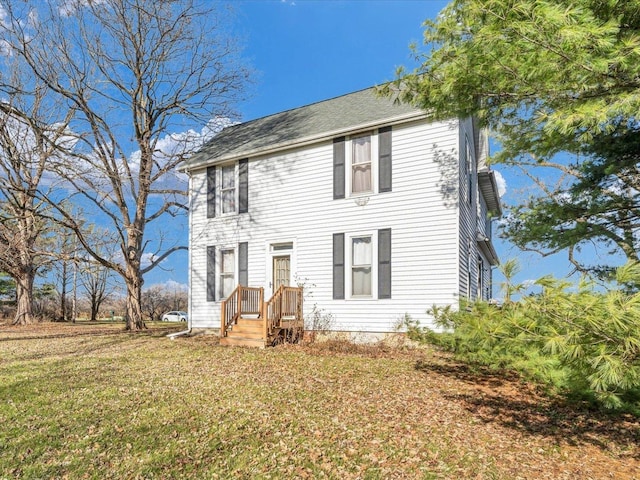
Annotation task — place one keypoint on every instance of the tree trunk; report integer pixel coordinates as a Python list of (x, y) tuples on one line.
[(94, 313), (94, 309), (134, 303), (63, 293), (24, 300)]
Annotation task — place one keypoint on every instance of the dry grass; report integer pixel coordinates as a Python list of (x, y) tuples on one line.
[(94, 402)]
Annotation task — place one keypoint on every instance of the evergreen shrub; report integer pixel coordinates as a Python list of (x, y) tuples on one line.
[(579, 339)]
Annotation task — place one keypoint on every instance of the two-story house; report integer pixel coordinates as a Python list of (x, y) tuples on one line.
[(376, 210)]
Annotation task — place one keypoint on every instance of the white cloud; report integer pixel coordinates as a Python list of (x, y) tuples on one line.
[(69, 7), (171, 285), (501, 183)]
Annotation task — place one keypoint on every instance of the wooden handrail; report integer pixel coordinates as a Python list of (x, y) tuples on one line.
[(242, 301), (283, 310), (286, 303)]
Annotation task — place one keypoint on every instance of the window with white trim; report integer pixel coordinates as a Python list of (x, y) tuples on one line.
[(362, 265), (481, 292), (361, 262), (362, 164), (228, 188), (470, 169), (469, 271), (361, 160), (227, 272)]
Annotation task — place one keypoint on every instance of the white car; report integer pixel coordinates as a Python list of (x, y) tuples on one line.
[(175, 316)]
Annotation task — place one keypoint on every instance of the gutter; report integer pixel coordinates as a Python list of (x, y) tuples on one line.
[(486, 247), (173, 336)]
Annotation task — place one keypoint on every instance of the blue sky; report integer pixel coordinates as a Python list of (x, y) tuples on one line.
[(305, 51)]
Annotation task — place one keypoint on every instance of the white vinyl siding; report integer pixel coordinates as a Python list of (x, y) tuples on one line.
[(468, 217), (291, 199)]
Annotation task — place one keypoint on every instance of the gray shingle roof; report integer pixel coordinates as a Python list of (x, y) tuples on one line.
[(330, 117)]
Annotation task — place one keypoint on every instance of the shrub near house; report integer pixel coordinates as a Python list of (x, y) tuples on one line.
[(581, 341)]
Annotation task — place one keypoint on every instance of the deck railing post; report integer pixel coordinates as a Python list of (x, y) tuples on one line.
[(261, 300), (264, 313), (223, 318), (300, 307), (240, 295)]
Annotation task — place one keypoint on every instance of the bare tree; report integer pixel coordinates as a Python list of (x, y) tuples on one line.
[(154, 302), (64, 252), (136, 72), (27, 144), (158, 299), (96, 279)]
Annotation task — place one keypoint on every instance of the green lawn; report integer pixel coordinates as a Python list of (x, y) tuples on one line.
[(81, 401)]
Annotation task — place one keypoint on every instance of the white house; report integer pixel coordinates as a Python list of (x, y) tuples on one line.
[(375, 210)]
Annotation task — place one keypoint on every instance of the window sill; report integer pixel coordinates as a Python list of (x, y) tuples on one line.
[(361, 194)]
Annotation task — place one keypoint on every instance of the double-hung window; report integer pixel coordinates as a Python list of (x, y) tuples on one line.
[(361, 261), (361, 172), (223, 272), (469, 169), (228, 189), (362, 265), (227, 272), (362, 164)]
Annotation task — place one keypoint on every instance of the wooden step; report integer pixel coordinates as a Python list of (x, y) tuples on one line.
[(242, 342), (248, 328), (247, 332)]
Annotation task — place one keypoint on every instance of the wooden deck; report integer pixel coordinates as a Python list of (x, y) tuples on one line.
[(248, 320)]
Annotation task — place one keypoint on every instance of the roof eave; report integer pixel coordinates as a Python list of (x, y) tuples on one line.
[(489, 189), (301, 142), (486, 247)]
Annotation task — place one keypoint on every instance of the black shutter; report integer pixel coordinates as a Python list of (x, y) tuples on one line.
[(384, 263), (211, 274), (243, 271), (338, 266), (338, 167), (384, 159), (211, 192), (243, 185)]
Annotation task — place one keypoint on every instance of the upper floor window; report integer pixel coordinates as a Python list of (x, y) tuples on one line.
[(361, 173), (228, 189), (469, 168), (362, 164)]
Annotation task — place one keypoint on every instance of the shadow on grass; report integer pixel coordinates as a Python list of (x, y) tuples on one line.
[(75, 330), (503, 398)]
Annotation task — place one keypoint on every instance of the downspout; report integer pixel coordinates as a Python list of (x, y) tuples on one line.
[(173, 336)]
